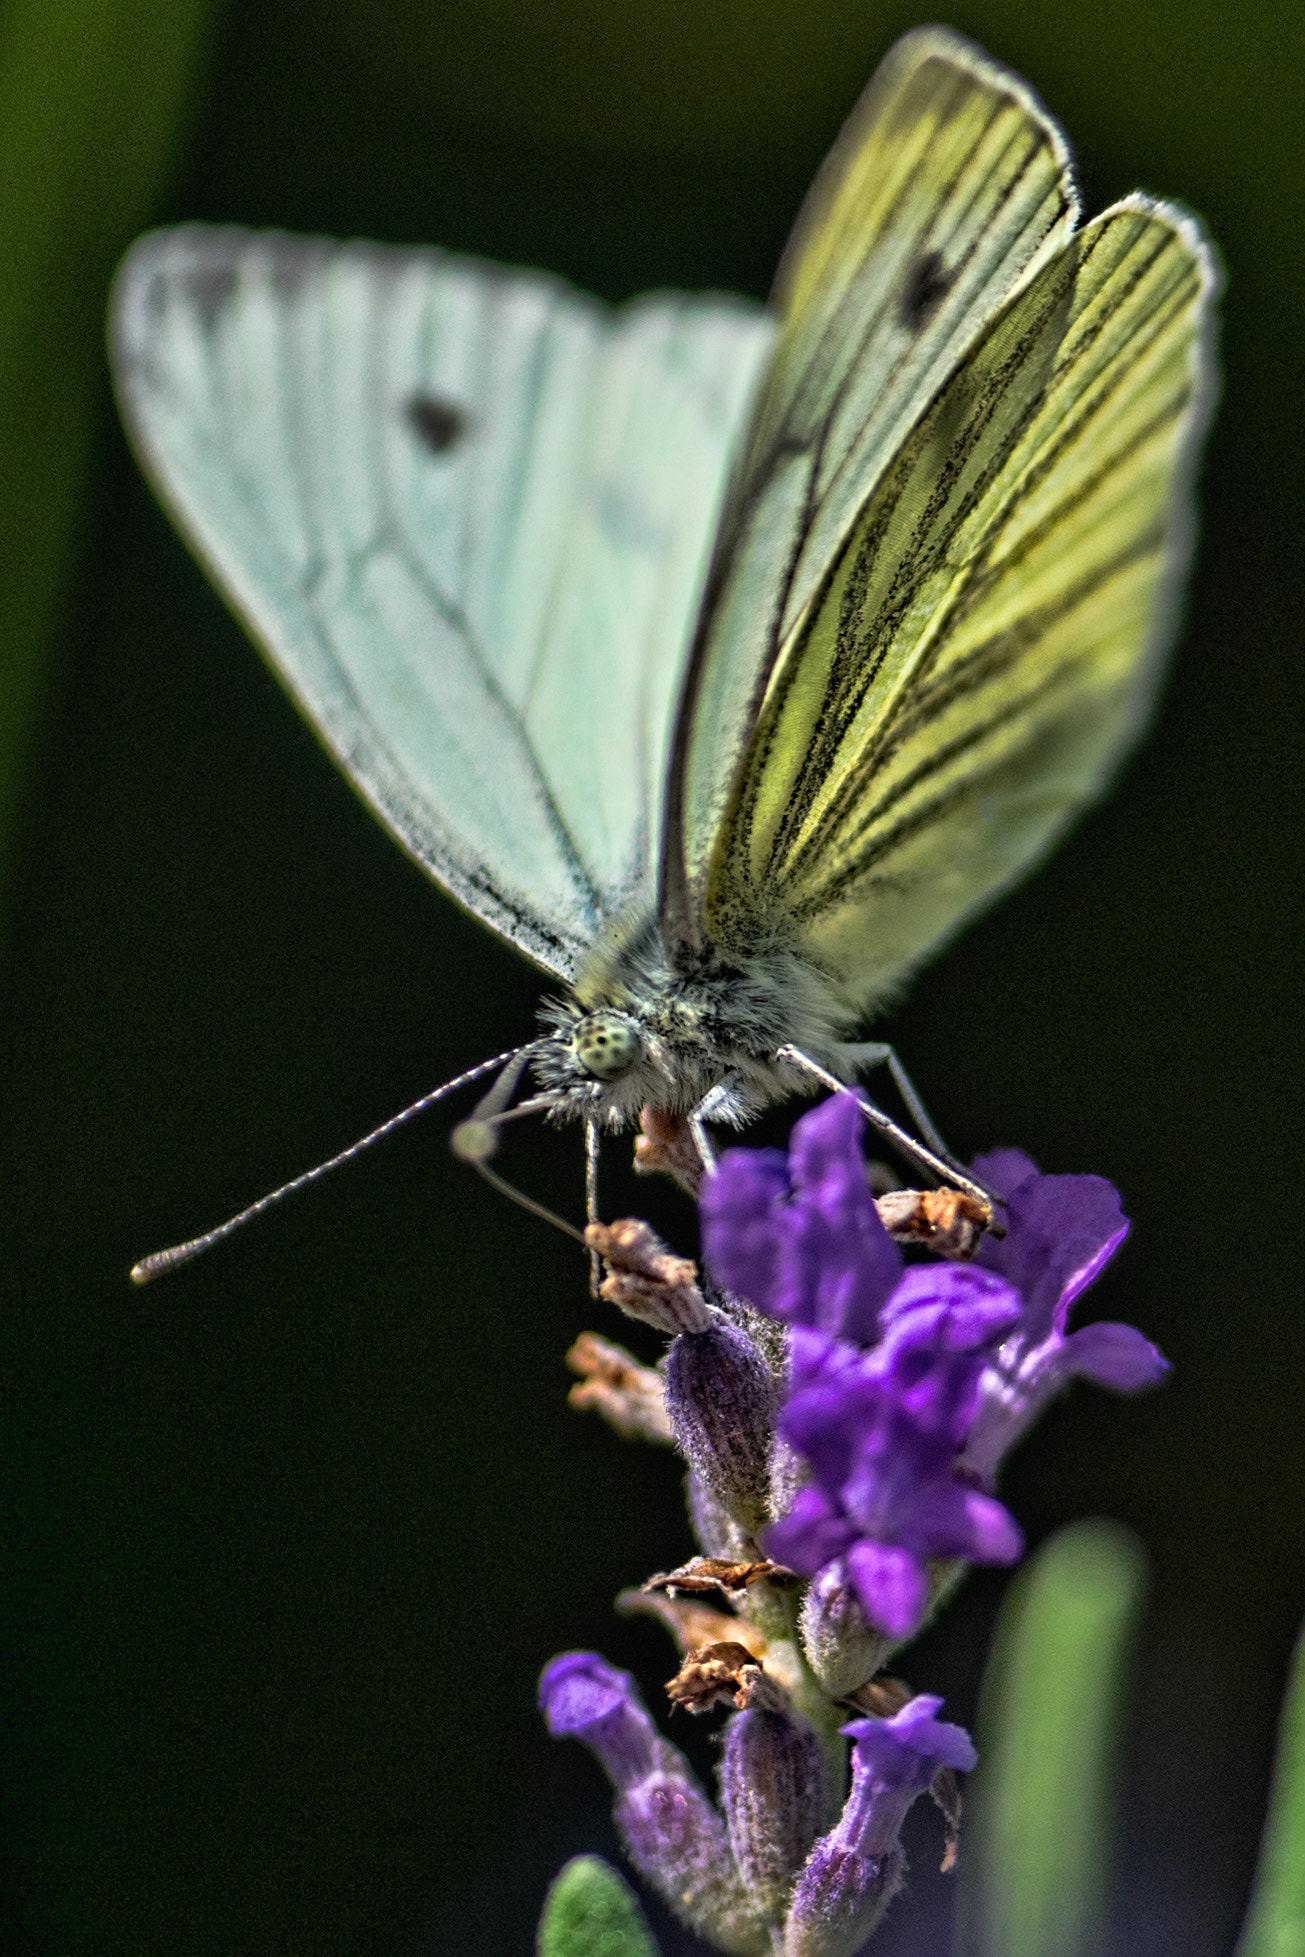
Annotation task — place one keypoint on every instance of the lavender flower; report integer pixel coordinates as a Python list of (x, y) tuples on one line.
[(881, 1431), (855, 1870), (873, 1427), (880, 1428), (1062, 1231), (801, 1239), (672, 1833), (908, 1385)]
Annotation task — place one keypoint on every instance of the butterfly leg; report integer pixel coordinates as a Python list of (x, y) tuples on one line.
[(935, 1162), (715, 1102), (878, 1053), (701, 1139), (591, 1201)]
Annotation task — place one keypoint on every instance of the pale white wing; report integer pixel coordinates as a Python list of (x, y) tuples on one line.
[(466, 513)]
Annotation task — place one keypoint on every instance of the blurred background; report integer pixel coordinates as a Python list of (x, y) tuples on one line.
[(289, 1537)]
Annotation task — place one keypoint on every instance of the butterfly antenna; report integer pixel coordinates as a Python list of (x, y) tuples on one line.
[(168, 1260), (519, 1196), (475, 1140)]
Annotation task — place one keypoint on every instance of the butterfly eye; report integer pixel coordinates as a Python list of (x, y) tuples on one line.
[(607, 1044)]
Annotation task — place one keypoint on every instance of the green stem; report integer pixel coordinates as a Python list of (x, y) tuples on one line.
[(1275, 1925), (1036, 1852)]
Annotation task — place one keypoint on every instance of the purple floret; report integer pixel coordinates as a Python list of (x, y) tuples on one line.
[(582, 1697), (893, 1761), (881, 1431), (802, 1239), (672, 1833), (854, 1870), (1062, 1231), (909, 1384)]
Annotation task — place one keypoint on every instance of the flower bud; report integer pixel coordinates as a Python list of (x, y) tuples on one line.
[(675, 1839), (773, 1790), (855, 1870), (839, 1900), (720, 1395), (672, 1833), (714, 1532), (647, 1281), (842, 1646)]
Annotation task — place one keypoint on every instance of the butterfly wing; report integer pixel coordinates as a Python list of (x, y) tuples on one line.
[(948, 185), (466, 513), (985, 640)]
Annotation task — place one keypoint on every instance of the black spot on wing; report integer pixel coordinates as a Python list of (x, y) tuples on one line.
[(292, 262), (927, 281), (439, 424)]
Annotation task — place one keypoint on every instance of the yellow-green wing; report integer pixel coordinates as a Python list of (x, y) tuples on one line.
[(947, 186), (985, 643)]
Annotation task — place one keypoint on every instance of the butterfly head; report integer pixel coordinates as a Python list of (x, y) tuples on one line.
[(599, 1061), (642, 1029)]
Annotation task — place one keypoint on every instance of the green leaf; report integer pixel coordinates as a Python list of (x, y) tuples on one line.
[(1035, 1852), (93, 96), (1275, 1925), (591, 1912)]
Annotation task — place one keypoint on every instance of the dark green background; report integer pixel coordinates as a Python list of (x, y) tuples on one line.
[(289, 1537)]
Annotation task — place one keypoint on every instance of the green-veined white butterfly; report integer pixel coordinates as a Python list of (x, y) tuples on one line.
[(723, 661)]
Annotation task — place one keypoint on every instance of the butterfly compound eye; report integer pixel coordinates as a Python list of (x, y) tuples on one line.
[(607, 1044)]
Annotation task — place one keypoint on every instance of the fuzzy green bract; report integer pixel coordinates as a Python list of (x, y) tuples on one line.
[(591, 1912)]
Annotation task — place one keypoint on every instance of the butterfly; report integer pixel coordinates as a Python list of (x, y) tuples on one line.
[(723, 661)]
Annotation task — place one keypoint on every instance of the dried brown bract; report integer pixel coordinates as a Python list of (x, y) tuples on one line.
[(704, 1574), (647, 1281), (614, 1384), (692, 1624), (945, 1788), (882, 1696), (947, 1221), (726, 1672)]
